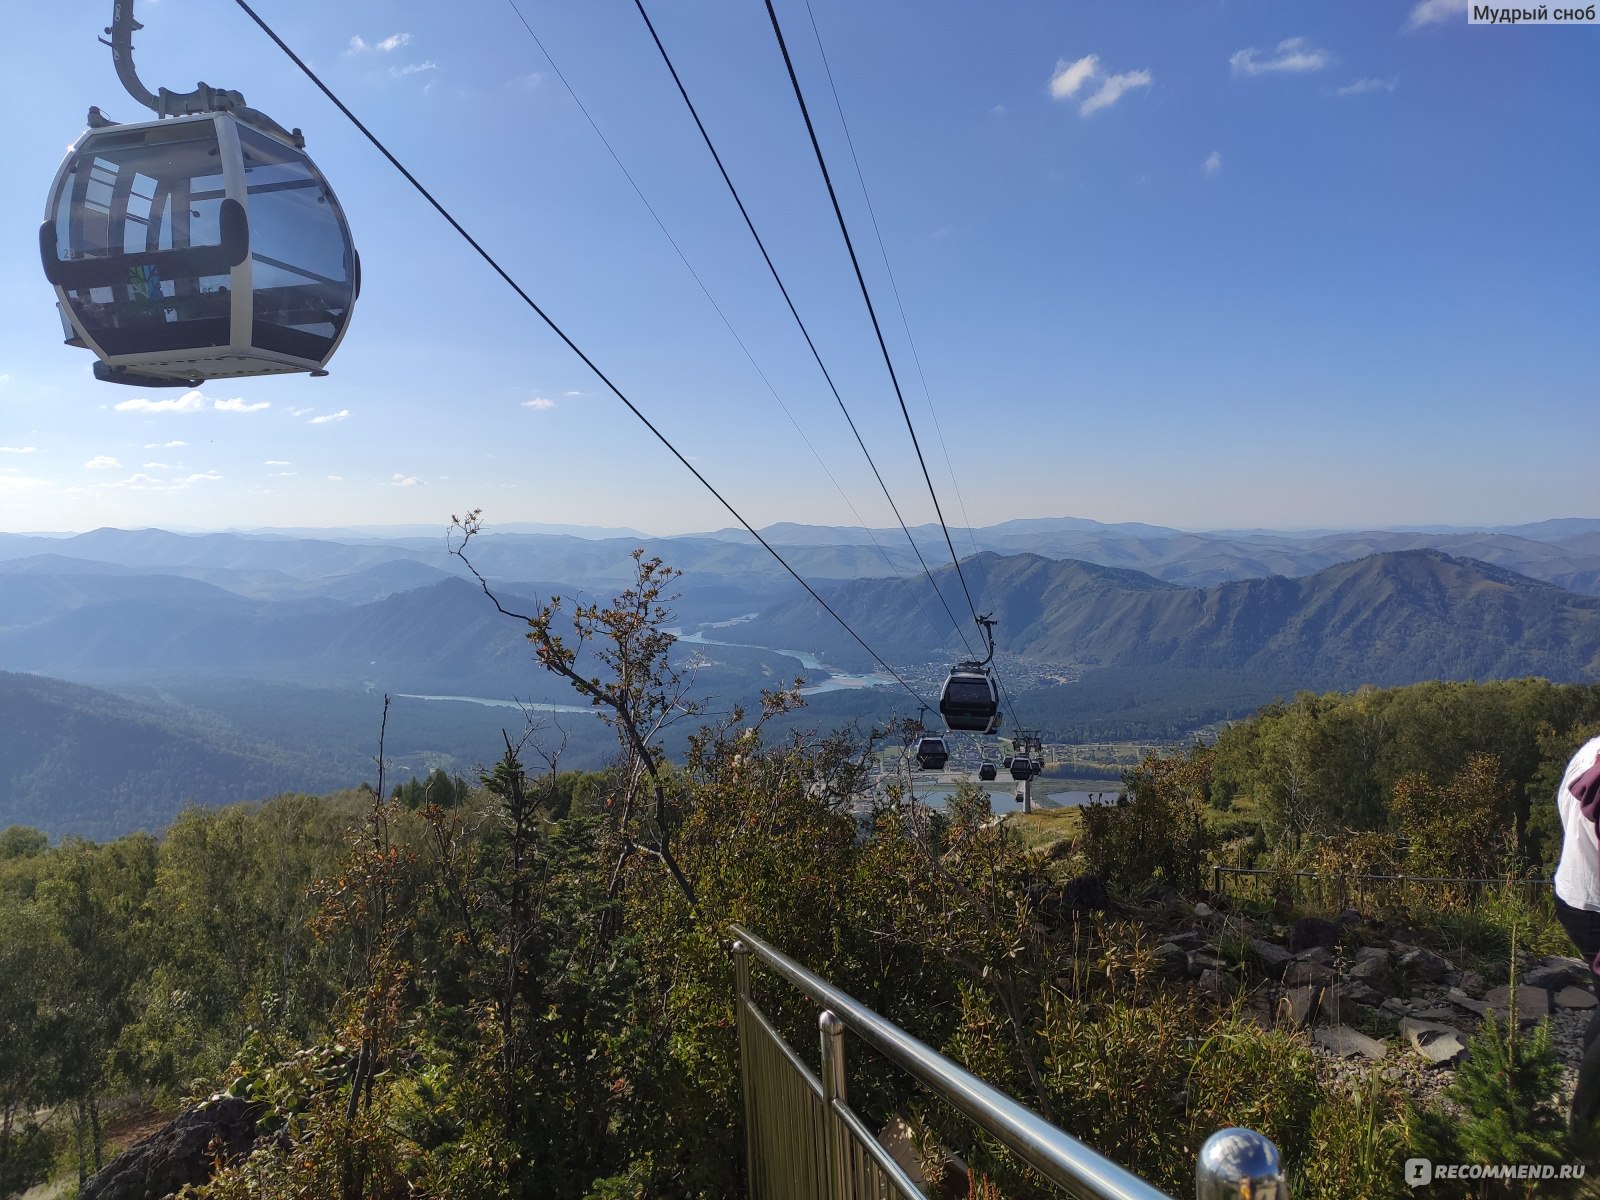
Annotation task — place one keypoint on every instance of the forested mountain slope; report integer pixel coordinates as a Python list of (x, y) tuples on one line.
[(1385, 619)]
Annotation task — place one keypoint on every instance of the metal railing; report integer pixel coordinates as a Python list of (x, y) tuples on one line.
[(804, 1142)]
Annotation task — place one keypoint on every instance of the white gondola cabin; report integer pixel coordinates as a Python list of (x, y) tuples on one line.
[(198, 247)]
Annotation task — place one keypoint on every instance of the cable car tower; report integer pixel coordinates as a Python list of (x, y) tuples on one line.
[(202, 245)]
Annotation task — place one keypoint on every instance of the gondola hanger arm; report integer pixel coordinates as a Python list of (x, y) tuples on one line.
[(167, 103)]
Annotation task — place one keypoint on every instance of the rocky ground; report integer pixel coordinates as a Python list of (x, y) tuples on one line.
[(1368, 995)]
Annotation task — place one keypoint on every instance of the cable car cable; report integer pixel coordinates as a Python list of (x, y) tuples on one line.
[(684, 258), (777, 278), (866, 295), (894, 286), (560, 333)]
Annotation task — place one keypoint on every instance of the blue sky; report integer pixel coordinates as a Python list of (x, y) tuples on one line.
[(1208, 265)]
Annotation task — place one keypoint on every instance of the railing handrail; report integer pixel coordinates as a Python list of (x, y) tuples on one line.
[(1058, 1156)]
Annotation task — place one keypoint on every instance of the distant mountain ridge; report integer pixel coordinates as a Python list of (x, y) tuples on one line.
[(1386, 619)]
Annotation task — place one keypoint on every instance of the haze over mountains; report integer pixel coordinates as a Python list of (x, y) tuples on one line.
[(266, 653)]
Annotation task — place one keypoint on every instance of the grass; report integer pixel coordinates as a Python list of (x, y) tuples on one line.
[(1044, 828)]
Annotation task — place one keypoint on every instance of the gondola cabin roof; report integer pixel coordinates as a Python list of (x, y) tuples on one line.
[(195, 248)]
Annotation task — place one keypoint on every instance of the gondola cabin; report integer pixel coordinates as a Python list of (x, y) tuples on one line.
[(986, 772), (197, 248), (932, 754), (1021, 768), (969, 700)]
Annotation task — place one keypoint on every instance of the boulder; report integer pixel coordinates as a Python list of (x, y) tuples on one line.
[(1357, 992), (1298, 974), (1171, 961), (1204, 910), (1312, 931), (1474, 984), (1205, 959), (1574, 997), (1437, 1043), (1556, 973), (1272, 957), (1349, 1043), (1371, 969), (1533, 1003), (181, 1152), (1320, 955), (1418, 964), (1297, 1006), (1458, 996)]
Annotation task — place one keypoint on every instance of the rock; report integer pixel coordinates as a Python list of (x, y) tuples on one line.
[(1204, 910), (1396, 1006), (1320, 955), (1273, 958), (1210, 980), (1171, 961), (1533, 1003), (1349, 1043), (1349, 918), (1437, 1012), (1418, 964), (1085, 894), (1556, 973), (1460, 997), (1312, 931), (1297, 1006), (178, 1153), (1298, 974), (1437, 1043), (1371, 968), (1575, 997), (1188, 939), (1204, 959), (1474, 984), (1358, 992)]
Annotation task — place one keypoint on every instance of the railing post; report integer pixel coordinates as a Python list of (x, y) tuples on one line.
[(833, 1088), (741, 989), (1239, 1164)]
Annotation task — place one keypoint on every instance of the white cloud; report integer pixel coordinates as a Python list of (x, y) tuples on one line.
[(282, 474), (1293, 56), (20, 483), (525, 83), (1361, 87), (359, 45), (327, 417), (1069, 77), (1213, 163), (102, 462), (299, 412), (188, 402), (19, 449), (999, 110), (335, 478), (400, 480), (201, 477), (1112, 89), (156, 466), (237, 404), (539, 403), (413, 69), (574, 393), (163, 445), (276, 462), (1433, 12)]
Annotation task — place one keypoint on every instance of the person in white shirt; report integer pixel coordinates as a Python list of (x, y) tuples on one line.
[(1577, 886)]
